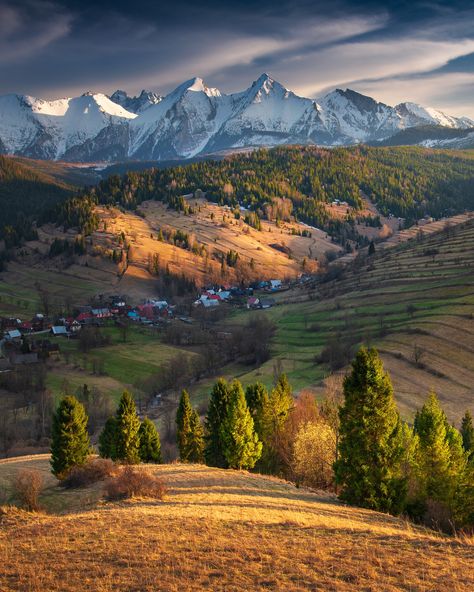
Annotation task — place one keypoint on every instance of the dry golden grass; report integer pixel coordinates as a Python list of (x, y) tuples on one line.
[(209, 228), (225, 530)]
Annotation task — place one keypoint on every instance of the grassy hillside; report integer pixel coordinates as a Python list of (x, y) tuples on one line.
[(219, 530), (415, 302), (407, 302), (274, 251)]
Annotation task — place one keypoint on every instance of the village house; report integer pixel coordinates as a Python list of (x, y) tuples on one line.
[(58, 330), (13, 335), (267, 302), (275, 285), (101, 313), (253, 302)]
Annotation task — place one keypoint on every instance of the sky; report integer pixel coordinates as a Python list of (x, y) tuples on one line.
[(421, 51)]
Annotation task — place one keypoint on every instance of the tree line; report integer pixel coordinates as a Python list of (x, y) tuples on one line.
[(353, 441), (124, 437), (360, 446)]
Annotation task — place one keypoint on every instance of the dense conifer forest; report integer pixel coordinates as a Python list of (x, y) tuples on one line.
[(408, 182), (25, 194)]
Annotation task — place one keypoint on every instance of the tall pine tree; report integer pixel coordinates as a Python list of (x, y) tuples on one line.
[(195, 443), (183, 425), (150, 445), (190, 433), (257, 402), (369, 465), (442, 458), (70, 444), (241, 445), (467, 433), (272, 423), (127, 424), (107, 439), (217, 411)]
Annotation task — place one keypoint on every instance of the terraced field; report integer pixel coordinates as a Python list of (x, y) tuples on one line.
[(415, 302)]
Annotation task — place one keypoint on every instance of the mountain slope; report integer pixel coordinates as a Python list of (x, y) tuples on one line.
[(414, 302), (27, 189), (194, 120), (135, 104), (219, 530), (52, 129)]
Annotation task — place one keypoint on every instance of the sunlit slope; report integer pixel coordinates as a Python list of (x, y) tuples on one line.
[(220, 530), (415, 302)]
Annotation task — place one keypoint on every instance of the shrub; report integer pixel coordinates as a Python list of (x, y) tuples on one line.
[(314, 454), (134, 482), (94, 470), (337, 353), (27, 485)]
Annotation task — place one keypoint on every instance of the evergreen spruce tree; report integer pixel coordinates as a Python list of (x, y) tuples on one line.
[(127, 440), (70, 444), (275, 412), (258, 400), (190, 433), (217, 411), (183, 425), (442, 458), (150, 446), (241, 445), (195, 444), (467, 433), (369, 465), (107, 439)]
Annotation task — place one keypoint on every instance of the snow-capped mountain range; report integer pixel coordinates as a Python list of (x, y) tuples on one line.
[(195, 120)]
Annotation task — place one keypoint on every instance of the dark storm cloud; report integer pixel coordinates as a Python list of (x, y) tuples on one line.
[(58, 47)]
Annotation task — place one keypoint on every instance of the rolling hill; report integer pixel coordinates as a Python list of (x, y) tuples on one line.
[(218, 530), (414, 302)]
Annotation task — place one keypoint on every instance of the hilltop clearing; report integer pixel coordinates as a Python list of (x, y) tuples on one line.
[(219, 530)]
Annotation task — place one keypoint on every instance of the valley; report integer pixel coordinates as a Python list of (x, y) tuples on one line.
[(168, 234), (237, 310)]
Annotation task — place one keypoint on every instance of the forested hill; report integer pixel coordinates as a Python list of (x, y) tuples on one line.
[(407, 182), (25, 192)]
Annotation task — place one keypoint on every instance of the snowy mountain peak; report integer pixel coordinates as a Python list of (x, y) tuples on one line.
[(137, 104), (416, 115), (362, 102), (265, 84), (196, 119), (197, 85), (264, 81)]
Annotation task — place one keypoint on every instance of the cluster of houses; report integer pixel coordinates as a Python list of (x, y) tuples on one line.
[(150, 312), (15, 349), (214, 296), (115, 309)]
